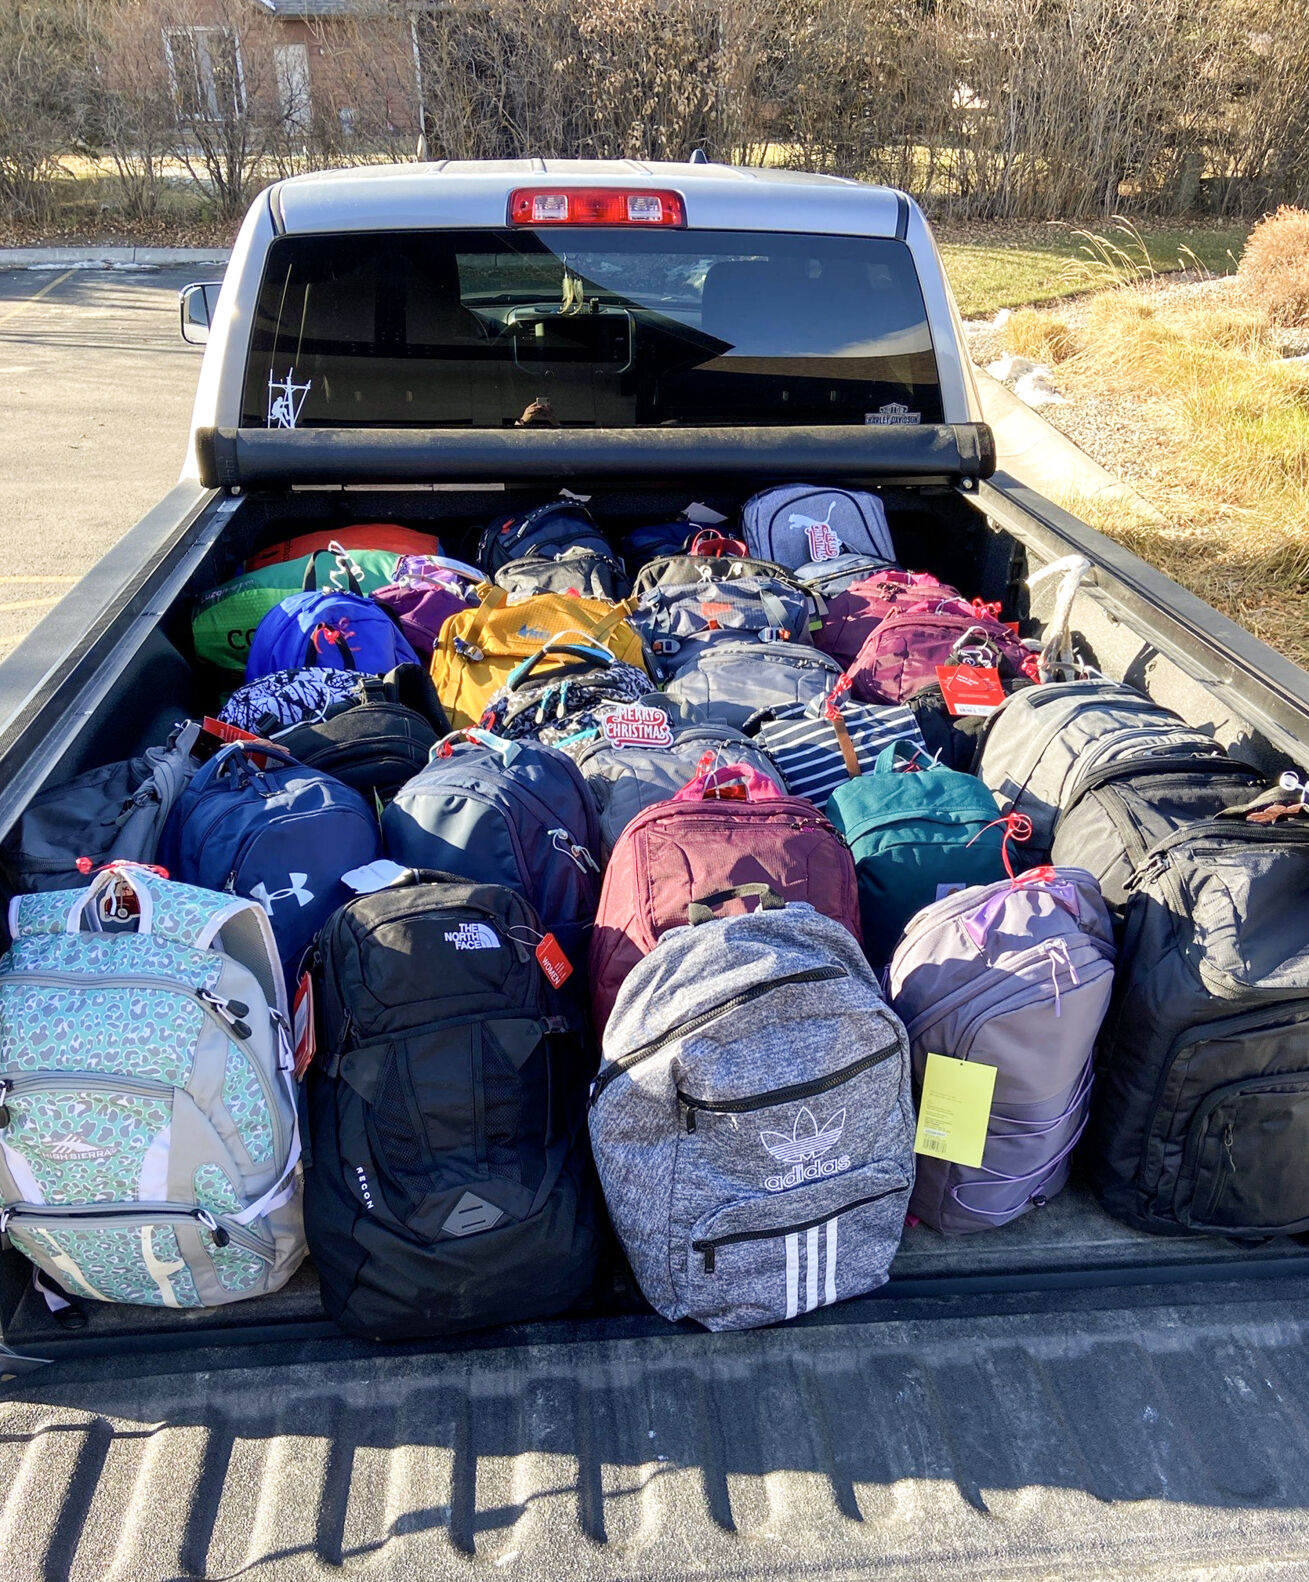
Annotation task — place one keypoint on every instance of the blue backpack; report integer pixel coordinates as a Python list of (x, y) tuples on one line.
[(281, 834), (548, 530), (505, 812), (330, 629)]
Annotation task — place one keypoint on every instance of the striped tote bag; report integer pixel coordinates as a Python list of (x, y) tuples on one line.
[(821, 744)]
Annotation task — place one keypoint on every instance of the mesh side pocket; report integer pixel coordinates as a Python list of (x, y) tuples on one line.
[(400, 1140)]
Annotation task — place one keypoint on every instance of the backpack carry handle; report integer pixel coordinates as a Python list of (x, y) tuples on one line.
[(701, 909), (591, 656), (712, 782), (337, 640), (343, 563), (887, 759), (709, 541), (507, 749), (233, 762)]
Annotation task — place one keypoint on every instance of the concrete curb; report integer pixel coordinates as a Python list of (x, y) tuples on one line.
[(108, 257), (1044, 458)]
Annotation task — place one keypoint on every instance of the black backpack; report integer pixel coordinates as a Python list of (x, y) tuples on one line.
[(1202, 1113), (551, 529), (1123, 809), (377, 738), (449, 1184)]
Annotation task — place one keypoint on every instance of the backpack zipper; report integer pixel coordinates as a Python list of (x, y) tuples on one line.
[(757, 991), (220, 1233), (787, 1095), (710, 1247)]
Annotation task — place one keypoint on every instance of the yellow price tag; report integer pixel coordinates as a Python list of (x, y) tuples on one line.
[(954, 1110)]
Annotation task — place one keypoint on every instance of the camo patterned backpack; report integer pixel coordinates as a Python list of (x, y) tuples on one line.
[(148, 1140)]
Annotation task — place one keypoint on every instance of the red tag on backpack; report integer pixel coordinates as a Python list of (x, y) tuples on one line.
[(556, 966), (970, 689), (303, 1031)]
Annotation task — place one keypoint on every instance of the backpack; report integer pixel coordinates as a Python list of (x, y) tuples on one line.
[(821, 744), (852, 615), (730, 683), (426, 592), (564, 708), (449, 1186), (150, 1139), (386, 536), (752, 1122), (114, 813), (637, 757), (378, 738), (902, 652), (1040, 743), (678, 623), (254, 822), (336, 631), (288, 696), (797, 523), (640, 545), (585, 573), (1120, 810), (1201, 1122), (505, 813), (480, 648), (1016, 976), (548, 529), (822, 580), (729, 834), (225, 619), (914, 830), (686, 570)]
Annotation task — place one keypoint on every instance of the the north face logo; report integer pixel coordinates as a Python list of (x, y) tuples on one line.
[(803, 1150), (472, 936), (268, 899), (470, 1215)]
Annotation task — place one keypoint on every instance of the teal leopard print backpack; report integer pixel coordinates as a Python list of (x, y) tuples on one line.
[(148, 1140)]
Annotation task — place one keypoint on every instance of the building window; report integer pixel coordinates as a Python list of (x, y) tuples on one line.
[(204, 68)]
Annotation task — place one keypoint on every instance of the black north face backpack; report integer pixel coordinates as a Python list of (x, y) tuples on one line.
[(449, 1184)]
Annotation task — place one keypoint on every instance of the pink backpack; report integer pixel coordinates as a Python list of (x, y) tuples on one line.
[(854, 613), (426, 592), (902, 653), (726, 839)]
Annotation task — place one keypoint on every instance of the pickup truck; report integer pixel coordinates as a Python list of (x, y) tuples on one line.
[(1062, 1393)]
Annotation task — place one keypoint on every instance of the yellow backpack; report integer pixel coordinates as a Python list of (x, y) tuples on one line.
[(479, 647)]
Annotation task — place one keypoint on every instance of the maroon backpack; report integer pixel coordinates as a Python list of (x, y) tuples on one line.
[(854, 614), (901, 655), (727, 841)]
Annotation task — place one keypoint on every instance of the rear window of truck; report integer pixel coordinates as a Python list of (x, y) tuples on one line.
[(588, 327)]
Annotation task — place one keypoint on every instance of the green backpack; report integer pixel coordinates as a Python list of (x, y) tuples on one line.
[(916, 831), (225, 618)]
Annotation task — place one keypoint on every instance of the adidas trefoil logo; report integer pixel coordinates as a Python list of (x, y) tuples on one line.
[(803, 1150)]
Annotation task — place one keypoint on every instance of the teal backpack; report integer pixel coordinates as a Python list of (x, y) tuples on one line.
[(148, 1140), (917, 831)]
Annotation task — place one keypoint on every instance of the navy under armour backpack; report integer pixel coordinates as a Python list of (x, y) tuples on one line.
[(515, 813), (548, 530), (257, 823), (328, 628)]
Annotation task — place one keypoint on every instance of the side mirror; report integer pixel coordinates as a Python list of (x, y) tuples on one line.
[(196, 304)]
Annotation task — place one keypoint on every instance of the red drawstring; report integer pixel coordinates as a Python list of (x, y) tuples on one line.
[(1017, 826), (831, 708), (85, 865)]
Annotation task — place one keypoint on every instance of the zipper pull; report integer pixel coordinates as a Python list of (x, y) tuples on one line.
[(6, 1214), (1147, 872), (690, 1119), (5, 1086), (708, 1250), (231, 1011), (1227, 1144), (220, 1236)]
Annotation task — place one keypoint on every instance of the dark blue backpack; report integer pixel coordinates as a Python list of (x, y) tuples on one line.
[(282, 835), (549, 530), (641, 545), (328, 628), (511, 813)]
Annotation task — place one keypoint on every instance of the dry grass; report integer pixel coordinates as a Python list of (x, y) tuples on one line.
[(1275, 266), (1040, 336), (1237, 421)]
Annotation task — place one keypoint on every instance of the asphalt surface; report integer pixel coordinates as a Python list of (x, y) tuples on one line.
[(95, 403)]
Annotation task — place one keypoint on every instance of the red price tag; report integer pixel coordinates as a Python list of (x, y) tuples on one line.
[(303, 1029), (970, 689), (226, 732), (556, 966)]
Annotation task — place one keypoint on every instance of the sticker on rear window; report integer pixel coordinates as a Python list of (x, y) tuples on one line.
[(893, 412), (286, 400)]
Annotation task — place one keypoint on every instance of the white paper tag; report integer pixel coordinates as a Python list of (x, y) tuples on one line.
[(375, 875), (703, 515)]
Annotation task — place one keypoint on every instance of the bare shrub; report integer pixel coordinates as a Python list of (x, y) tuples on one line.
[(136, 109), (46, 97), (1274, 267)]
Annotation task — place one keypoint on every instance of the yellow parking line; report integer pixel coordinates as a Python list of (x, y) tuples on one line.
[(29, 604), (28, 301), (40, 576)]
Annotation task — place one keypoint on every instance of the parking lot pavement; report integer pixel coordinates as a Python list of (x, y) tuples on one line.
[(95, 403)]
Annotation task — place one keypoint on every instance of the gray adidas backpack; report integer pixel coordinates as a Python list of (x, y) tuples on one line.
[(730, 683), (627, 775), (751, 1120), (1042, 743), (147, 1101), (797, 523), (1016, 976)]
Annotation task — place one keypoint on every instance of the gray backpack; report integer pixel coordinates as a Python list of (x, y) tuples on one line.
[(1042, 743), (730, 683), (116, 812), (626, 776), (585, 572), (797, 523), (751, 1121), (1016, 976), (678, 623)]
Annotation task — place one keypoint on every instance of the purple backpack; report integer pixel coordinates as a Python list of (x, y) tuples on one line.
[(1015, 975), (851, 616), (425, 592), (901, 655)]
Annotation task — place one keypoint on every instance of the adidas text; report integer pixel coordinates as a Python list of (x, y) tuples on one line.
[(807, 1172)]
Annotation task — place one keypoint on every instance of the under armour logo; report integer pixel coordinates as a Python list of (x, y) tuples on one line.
[(268, 899)]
